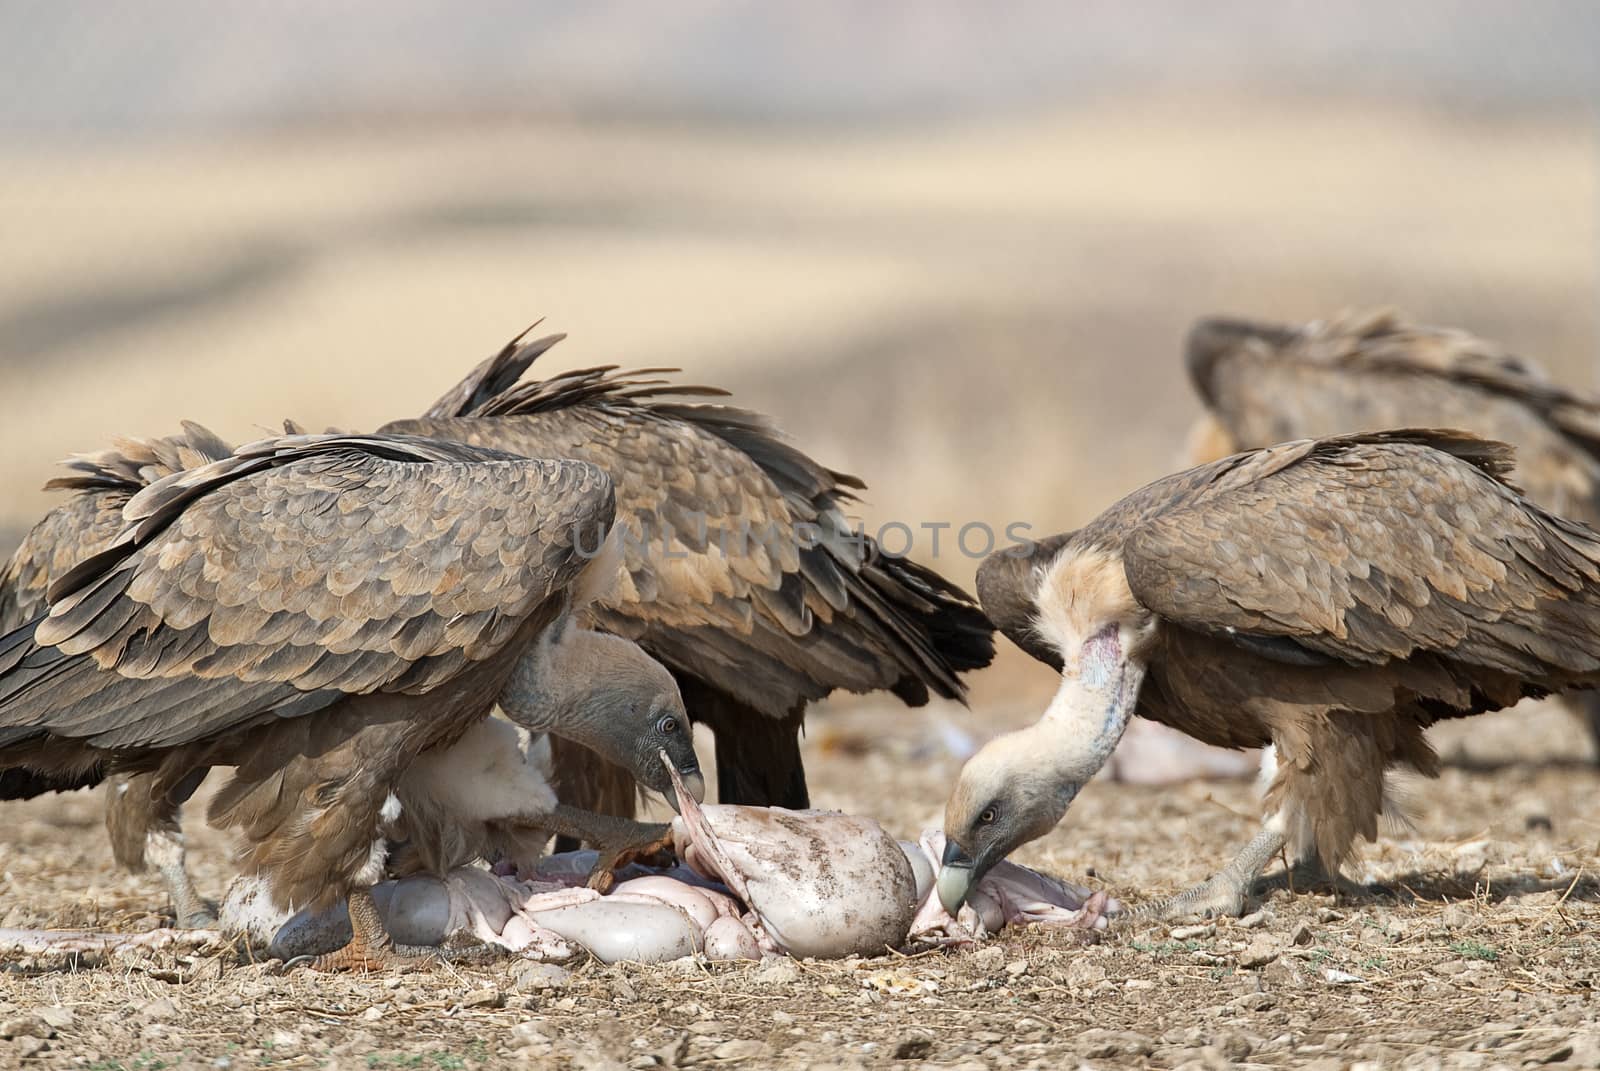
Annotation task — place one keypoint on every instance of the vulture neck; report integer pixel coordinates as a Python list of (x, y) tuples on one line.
[(549, 686), (1099, 691)]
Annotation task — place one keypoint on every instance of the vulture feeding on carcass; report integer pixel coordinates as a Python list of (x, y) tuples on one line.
[(749, 882), (1331, 597), (1269, 383), (742, 574), (317, 611)]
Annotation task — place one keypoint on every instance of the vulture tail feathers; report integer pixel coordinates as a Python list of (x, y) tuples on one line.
[(20, 783)]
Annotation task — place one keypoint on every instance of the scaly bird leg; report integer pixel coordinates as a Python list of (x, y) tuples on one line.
[(1226, 891), (370, 948), (164, 850), (620, 841)]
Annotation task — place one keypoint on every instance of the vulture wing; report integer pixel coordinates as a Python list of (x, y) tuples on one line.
[(741, 568), (291, 573), (742, 574), (1269, 383), (1371, 548), (91, 518)]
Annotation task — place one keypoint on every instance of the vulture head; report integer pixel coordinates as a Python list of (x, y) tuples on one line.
[(605, 693), (1020, 784)]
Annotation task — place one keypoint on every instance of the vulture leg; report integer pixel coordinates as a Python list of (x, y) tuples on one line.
[(145, 831), (1225, 892), (620, 841), (1586, 705), (370, 948)]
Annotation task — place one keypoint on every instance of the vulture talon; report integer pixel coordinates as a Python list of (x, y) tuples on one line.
[(651, 842)]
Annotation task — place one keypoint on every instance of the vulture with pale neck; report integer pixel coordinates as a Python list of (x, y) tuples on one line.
[(742, 574), (1331, 597), (1265, 383), (317, 611)]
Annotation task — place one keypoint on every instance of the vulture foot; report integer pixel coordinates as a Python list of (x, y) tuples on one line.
[(647, 846), (370, 947), (1217, 896), (1225, 892)]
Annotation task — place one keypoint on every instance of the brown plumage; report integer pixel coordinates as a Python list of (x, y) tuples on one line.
[(1331, 597), (720, 585), (1367, 371), (314, 610), (139, 821)]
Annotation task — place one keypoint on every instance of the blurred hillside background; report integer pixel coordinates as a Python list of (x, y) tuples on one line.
[(951, 247)]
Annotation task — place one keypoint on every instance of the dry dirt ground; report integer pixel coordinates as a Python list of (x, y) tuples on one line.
[(1479, 950)]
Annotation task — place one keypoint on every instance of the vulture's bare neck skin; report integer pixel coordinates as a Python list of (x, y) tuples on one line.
[(1088, 613), (567, 685)]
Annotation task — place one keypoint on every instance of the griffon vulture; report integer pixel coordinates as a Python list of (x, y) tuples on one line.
[(317, 611), (1367, 371), (742, 576), (1330, 597)]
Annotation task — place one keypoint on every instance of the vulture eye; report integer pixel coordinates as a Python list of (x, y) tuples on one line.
[(667, 725), (988, 816)]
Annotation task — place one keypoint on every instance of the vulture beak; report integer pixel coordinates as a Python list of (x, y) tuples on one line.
[(955, 878), (690, 780)]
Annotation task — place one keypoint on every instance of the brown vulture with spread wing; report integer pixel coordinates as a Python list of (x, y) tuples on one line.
[(1330, 597), (318, 610), (742, 574), (1366, 371)]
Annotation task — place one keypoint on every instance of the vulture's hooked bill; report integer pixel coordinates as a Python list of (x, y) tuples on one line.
[(1331, 597), (1266, 383), (752, 634), (317, 611)]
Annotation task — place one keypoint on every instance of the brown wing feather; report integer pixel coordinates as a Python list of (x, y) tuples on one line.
[(720, 582), (1268, 383), (1373, 548), (91, 518), (296, 571)]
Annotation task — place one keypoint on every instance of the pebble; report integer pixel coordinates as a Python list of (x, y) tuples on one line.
[(705, 1028), (542, 976), (483, 998), (1232, 1045), (742, 1050), (1017, 968), (1190, 933), (56, 1016), (989, 960), (1083, 973), (27, 1048), (374, 1013), (779, 972), (1254, 1002), (161, 1008), (1328, 914), (1255, 919), (1300, 935), (914, 1049), (26, 1026), (1260, 953), (528, 1033), (1099, 1044)]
